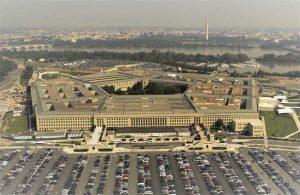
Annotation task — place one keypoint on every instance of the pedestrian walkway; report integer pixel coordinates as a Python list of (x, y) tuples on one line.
[(296, 119)]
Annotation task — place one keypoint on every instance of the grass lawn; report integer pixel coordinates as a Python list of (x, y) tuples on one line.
[(297, 110), (293, 100), (263, 80), (278, 126), (297, 136), (14, 124), (50, 76)]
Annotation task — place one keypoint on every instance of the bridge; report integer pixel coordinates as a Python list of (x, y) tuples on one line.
[(25, 47)]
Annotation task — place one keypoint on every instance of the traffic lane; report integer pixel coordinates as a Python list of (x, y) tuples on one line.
[(10, 80), (274, 142)]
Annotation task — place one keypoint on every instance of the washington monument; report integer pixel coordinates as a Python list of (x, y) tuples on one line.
[(206, 34)]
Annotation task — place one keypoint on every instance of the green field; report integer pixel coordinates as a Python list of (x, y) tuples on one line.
[(278, 126), (50, 76), (293, 100), (13, 124), (297, 110), (297, 136)]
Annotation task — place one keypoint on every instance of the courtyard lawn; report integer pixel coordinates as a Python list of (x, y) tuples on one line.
[(278, 125), (50, 76), (13, 124)]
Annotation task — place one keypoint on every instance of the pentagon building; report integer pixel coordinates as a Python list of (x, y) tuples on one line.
[(83, 104)]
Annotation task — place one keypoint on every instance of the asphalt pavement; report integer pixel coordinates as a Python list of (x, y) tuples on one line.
[(154, 173)]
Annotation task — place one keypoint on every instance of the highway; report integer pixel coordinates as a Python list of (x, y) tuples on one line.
[(10, 80)]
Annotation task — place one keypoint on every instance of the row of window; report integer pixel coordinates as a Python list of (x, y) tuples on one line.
[(173, 121), (149, 121)]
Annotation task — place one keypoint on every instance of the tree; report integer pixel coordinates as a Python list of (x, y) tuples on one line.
[(109, 89), (26, 75), (6, 66), (219, 124)]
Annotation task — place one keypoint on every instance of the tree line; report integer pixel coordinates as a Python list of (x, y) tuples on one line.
[(26, 75), (154, 56), (289, 57), (262, 73), (6, 66)]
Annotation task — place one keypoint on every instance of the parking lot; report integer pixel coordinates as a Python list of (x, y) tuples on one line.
[(41, 171)]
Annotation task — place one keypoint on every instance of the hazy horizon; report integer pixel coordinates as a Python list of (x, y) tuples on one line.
[(283, 14)]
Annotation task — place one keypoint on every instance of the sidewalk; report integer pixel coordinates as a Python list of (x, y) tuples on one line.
[(296, 119)]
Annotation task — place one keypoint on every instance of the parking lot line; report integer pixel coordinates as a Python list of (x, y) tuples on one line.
[(290, 161), (64, 175), (154, 162), (132, 189), (85, 176), (98, 175), (262, 173), (110, 182), (11, 163), (199, 178), (241, 175), (156, 187), (220, 176), (282, 172), (43, 174), (16, 181), (177, 177)]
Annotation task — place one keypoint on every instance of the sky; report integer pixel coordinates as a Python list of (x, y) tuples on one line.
[(283, 14)]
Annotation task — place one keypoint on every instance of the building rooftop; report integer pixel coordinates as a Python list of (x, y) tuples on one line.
[(253, 122), (147, 104), (59, 97), (50, 133)]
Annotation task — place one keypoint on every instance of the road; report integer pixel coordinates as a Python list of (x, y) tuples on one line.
[(10, 80)]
